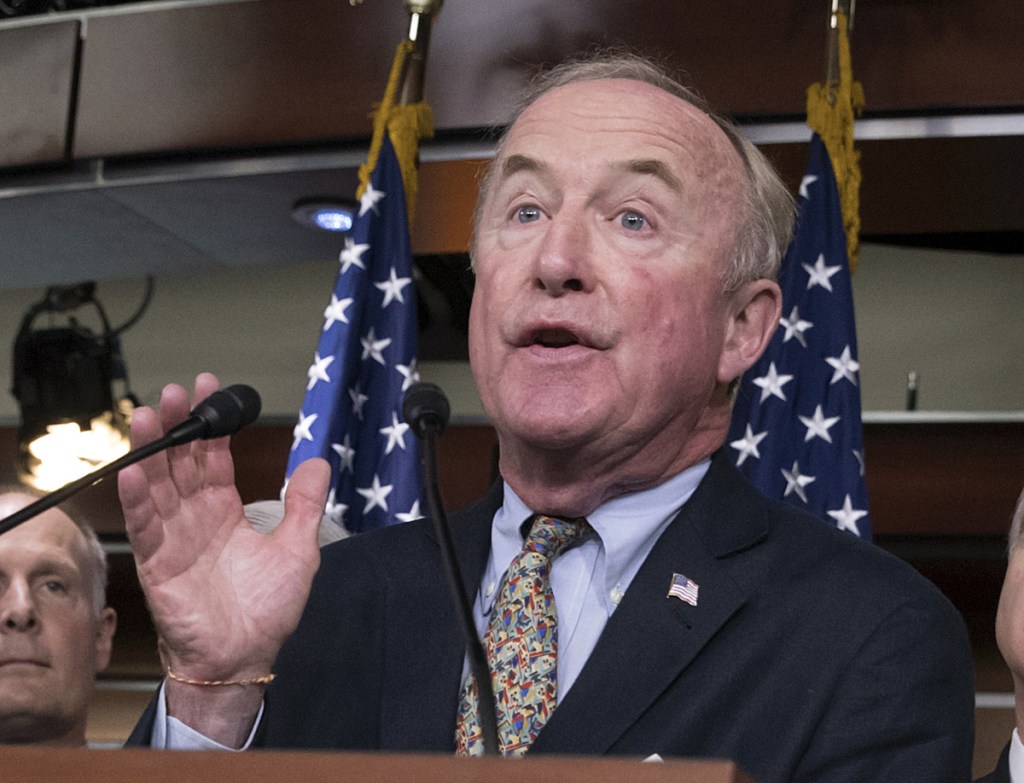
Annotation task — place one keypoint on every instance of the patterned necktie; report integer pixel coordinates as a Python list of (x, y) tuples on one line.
[(521, 644)]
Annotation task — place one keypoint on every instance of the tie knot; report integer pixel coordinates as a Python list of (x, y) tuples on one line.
[(550, 537)]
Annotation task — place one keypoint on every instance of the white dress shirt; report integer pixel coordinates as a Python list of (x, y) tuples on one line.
[(1016, 759)]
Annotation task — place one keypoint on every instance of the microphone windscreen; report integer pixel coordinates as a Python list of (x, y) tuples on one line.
[(226, 411), (425, 405)]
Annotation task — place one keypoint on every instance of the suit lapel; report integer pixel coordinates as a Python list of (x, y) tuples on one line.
[(424, 650), (652, 637)]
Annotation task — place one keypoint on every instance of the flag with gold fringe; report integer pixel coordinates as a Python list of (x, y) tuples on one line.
[(365, 357), (796, 430)]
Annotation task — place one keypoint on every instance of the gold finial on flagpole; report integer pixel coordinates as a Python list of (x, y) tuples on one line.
[(421, 17)]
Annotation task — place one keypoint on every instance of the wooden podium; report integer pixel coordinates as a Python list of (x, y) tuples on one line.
[(52, 765)]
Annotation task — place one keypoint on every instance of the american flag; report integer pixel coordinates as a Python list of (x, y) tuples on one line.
[(364, 361), (796, 427), (684, 589)]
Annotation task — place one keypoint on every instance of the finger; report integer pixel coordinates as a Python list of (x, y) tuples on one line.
[(185, 464), (154, 479), (206, 383), (142, 521), (214, 456), (178, 475), (304, 500)]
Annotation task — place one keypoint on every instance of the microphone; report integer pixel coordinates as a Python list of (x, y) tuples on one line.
[(426, 408), (224, 412), (426, 411)]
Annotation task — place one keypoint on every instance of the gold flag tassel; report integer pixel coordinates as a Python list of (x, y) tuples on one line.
[(831, 109), (407, 123)]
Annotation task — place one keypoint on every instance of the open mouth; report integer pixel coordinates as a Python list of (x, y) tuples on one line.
[(555, 338)]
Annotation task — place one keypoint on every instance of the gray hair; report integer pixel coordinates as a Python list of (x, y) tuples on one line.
[(765, 228), (1017, 525), (96, 554)]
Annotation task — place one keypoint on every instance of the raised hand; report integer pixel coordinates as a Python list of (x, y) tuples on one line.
[(223, 596)]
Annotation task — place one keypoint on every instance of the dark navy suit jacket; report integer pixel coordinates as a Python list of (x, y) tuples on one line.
[(810, 656)]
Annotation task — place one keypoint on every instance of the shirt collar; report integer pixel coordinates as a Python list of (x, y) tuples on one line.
[(627, 528)]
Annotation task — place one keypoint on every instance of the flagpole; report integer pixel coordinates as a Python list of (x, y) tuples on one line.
[(421, 17), (841, 14)]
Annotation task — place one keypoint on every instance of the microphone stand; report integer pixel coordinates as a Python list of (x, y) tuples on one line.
[(427, 422)]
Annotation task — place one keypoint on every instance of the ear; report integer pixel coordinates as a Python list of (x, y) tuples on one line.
[(106, 624), (754, 312)]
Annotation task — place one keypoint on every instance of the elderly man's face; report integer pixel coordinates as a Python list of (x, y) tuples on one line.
[(52, 643), (599, 318)]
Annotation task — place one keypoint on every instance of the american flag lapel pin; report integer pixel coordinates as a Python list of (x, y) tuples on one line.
[(683, 588)]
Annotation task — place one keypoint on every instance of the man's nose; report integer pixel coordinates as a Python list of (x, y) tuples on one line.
[(563, 262), (17, 609)]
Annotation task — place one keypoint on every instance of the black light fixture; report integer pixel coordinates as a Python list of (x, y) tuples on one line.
[(72, 421)]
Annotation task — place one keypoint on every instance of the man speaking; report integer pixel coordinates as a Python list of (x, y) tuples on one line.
[(635, 595)]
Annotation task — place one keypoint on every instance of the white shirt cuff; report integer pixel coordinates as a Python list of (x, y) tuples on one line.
[(169, 733), (1016, 759)]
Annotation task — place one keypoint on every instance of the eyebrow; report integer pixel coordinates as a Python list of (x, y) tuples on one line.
[(514, 164), (653, 168)]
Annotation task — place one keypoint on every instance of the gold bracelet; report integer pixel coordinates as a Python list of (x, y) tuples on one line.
[(261, 680)]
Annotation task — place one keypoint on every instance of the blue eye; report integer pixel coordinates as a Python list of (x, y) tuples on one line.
[(527, 214), (632, 221)]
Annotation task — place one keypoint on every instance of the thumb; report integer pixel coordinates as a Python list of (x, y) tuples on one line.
[(305, 497)]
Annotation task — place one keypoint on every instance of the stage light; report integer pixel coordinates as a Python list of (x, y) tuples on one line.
[(72, 421)]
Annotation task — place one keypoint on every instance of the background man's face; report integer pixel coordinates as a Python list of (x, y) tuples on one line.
[(51, 641)]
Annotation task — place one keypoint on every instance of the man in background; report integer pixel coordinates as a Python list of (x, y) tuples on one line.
[(56, 630), (1010, 637)]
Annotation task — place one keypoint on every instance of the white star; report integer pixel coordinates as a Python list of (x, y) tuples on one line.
[(820, 274), (818, 426), (410, 515), (335, 311), (795, 482), (747, 446), (795, 327), (369, 199), (409, 374), (395, 433), (847, 516), (302, 431), (318, 370), (859, 456), (809, 179), (358, 398), (392, 288), (352, 255), (335, 511), (845, 366), (375, 495), (372, 347), (346, 455), (771, 383)]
